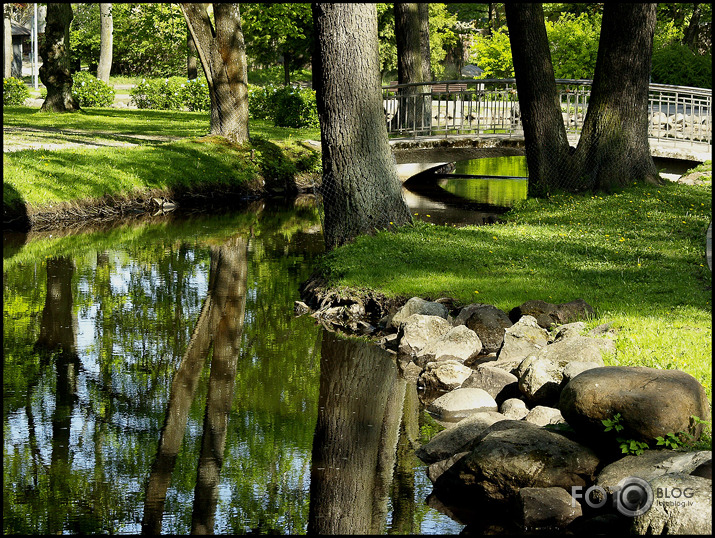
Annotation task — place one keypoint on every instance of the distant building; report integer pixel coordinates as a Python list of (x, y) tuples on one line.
[(21, 40)]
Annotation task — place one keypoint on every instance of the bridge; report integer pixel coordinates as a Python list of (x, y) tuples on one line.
[(484, 115)]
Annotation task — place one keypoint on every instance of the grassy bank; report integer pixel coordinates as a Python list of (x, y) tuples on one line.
[(38, 179), (637, 256)]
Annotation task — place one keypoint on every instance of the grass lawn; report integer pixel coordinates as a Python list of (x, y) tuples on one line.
[(637, 256)]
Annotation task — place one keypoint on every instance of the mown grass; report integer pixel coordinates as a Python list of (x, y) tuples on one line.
[(637, 256)]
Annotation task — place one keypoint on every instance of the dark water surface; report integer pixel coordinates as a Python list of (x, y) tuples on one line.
[(156, 379)]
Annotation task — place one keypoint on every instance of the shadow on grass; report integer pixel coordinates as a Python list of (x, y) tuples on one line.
[(14, 209)]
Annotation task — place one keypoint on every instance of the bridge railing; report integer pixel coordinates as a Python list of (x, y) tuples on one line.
[(491, 106)]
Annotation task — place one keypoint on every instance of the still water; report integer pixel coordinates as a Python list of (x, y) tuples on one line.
[(155, 379)]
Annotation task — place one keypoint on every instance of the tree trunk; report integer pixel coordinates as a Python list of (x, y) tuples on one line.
[(7, 41), (547, 147), (690, 38), (106, 35), (55, 69), (223, 56), (423, 9), (192, 71), (415, 101), (361, 191), (613, 150)]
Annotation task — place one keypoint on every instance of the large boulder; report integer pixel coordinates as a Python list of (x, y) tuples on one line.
[(417, 331), (443, 376), (683, 504), (549, 314), (514, 409), (521, 340), (543, 509), (651, 402), (416, 305), (488, 322), (459, 438), (510, 455), (460, 403), (542, 415), (500, 384), (459, 342)]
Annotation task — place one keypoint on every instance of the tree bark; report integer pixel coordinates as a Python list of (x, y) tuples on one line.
[(361, 191), (547, 147), (55, 69), (106, 35), (223, 56), (7, 41), (690, 37), (192, 71), (613, 150), (415, 101)]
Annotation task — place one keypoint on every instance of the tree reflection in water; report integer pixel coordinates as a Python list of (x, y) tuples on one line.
[(220, 326)]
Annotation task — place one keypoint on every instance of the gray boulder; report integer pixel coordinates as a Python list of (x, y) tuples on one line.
[(500, 384), (416, 305), (690, 513), (459, 342), (549, 314), (460, 403), (651, 402), (542, 415), (459, 438), (510, 455), (488, 322), (546, 508), (522, 339), (514, 409), (443, 376), (417, 331)]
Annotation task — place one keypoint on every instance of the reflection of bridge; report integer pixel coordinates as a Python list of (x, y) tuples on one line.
[(485, 113)]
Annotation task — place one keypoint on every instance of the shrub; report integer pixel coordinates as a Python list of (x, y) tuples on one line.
[(261, 102), (14, 91), (295, 107), (678, 65), (90, 91), (159, 94), (194, 95)]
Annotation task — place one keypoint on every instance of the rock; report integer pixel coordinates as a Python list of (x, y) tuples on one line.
[(435, 470), (500, 384), (514, 409), (569, 330), (546, 508), (704, 470), (688, 510), (649, 465), (460, 403), (300, 308), (459, 438), (522, 339), (488, 322), (459, 342), (416, 305), (651, 402), (574, 368), (548, 314), (417, 330), (510, 455), (542, 415), (443, 376)]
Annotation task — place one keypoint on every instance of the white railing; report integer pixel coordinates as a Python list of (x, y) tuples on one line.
[(491, 106)]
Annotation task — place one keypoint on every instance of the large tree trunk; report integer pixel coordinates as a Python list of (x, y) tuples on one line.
[(223, 56), (191, 56), (547, 147), (410, 29), (106, 35), (690, 37), (361, 191), (7, 41), (55, 69), (613, 150)]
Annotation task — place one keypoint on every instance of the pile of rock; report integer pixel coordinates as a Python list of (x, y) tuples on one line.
[(523, 396)]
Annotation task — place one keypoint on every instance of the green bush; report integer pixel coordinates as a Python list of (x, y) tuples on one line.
[(90, 91), (295, 107), (261, 102), (194, 95), (14, 91), (678, 65), (158, 94)]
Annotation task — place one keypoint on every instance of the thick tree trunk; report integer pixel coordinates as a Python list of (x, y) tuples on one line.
[(547, 147), (361, 191), (55, 69), (613, 150), (415, 101), (690, 37), (106, 35), (223, 57)]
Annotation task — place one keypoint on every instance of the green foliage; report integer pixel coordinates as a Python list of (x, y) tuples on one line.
[(493, 54), (194, 95), (90, 91), (627, 446), (681, 440), (261, 101), (678, 65), (573, 41), (14, 91), (296, 107), (159, 94)]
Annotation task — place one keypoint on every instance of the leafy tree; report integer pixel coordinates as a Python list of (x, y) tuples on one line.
[(360, 188), (493, 54), (223, 57), (573, 41)]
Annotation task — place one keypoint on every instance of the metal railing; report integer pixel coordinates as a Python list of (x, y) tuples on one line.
[(491, 106)]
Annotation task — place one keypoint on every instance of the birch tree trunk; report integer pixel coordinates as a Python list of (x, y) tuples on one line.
[(106, 35)]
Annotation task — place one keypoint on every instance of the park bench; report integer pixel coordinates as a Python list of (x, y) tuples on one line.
[(442, 88)]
